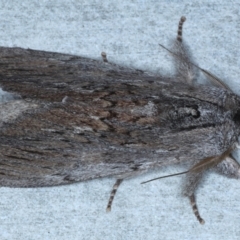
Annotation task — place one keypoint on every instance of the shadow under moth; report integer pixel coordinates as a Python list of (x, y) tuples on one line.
[(68, 119)]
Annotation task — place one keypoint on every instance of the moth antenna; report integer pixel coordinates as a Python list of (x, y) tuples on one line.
[(210, 162), (183, 61), (172, 175), (195, 209), (204, 164), (104, 56), (180, 26), (213, 79), (216, 81), (112, 195)]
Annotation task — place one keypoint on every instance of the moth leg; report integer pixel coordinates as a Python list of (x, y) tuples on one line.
[(112, 195), (229, 167), (191, 183), (104, 57), (195, 209), (185, 68), (180, 26)]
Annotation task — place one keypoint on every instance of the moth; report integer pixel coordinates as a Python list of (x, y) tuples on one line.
[(69, 119)]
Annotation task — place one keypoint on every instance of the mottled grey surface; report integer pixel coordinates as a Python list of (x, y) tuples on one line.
[(129, 31)]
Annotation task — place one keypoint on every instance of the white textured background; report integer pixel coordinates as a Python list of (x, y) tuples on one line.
[(129, 31)]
